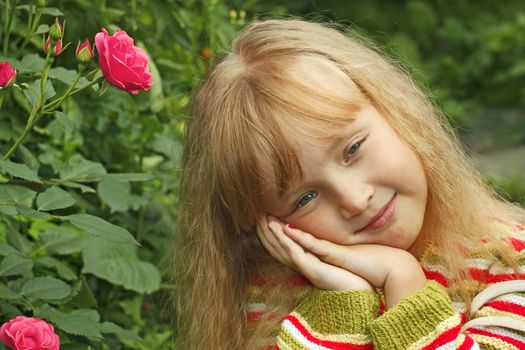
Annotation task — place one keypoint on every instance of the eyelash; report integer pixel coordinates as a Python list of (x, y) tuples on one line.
[(299, 204), (351, 147)]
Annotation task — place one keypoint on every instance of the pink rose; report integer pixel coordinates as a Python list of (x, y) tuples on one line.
[(7, 74), (122, 63), (28, 333)]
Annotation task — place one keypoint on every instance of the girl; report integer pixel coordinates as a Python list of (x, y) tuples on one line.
[(325, 204)]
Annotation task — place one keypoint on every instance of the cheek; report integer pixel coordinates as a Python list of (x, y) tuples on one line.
[(321, 224)]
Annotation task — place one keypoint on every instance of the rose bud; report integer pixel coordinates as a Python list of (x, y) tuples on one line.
[(56, 32), (56, 50), (123, 64), (84, 51), (7, 75), (23, 333)]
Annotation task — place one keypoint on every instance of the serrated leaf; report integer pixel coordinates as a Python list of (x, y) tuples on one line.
[(117, 263), (31, 213), (20, 170), (28, 158), (8, 210), (114, 193), (32, 91), (31, 64), (80, 169), (17, 195), (84, 322), (6, 293), (45, 288), (61, 268), (62, 240), (54, 198), (99, 227), (14, 264), (85, 298)]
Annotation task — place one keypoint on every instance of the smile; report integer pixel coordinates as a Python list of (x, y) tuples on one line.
[(383, 217)]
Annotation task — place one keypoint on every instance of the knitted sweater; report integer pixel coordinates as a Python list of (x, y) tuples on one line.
[(431, 318)]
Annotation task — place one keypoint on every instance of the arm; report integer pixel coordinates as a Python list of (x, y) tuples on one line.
[(424, 318)]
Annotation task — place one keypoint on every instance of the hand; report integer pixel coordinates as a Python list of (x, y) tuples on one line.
[(321, 274), (395, 270)]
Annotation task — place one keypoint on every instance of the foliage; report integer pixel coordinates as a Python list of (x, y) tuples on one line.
[(88, 179)]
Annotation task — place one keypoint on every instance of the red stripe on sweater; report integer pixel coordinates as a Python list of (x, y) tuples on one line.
[(437, 276), (502, 277), (515, 342), (507, 306), (443, 338), (326, 343), (518, 244), (467, 344)]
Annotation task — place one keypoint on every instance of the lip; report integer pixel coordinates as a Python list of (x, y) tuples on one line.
[(382, 217)]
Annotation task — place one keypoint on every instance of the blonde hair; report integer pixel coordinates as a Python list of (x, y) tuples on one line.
[(239, 115)]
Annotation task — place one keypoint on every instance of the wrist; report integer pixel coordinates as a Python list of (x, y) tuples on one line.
[(403, 281)]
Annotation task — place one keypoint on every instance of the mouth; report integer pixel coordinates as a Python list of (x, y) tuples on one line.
[(382, 217)]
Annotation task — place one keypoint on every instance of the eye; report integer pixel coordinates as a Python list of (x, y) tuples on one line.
[(305, 199), (352, 149)]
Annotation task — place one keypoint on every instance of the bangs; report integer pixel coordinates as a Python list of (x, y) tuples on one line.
[(307, 97)]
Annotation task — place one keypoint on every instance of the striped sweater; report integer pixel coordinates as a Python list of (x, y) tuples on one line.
[(429, 319)]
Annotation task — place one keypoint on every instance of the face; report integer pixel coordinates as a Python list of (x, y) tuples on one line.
[(364, 185)]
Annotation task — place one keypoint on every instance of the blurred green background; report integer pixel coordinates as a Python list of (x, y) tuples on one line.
[(469, 56)]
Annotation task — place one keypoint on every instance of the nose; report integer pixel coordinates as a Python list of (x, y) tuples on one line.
[(353, 198)]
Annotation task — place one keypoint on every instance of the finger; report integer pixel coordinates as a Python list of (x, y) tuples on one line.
[(325, 250), (270, 243)]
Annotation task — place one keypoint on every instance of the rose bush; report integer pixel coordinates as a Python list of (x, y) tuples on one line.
[(28, 333), (123, 64), (7, 74)]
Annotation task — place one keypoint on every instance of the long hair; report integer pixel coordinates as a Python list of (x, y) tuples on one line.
[(239, 117)]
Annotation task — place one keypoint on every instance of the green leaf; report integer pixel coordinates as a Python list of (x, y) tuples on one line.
[(130, 176), (42, 29), (61, 268), (83, 188), (67, 76), (85, 298), (45, 288), (20, 170), (8, 210), (28, 158), (31, 213), (79, 169), (6, 249), (52, 11), (117, 263), (32, 91), (64, 121), (84, 322), (31, 64), (99, 227), (17, 195), (62, 240), (6, 293), (54, 198), (121, 333), (114, 193), (14, 264)]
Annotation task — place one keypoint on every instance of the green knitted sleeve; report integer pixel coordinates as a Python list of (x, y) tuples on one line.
[(416, 321), (330, 319)]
